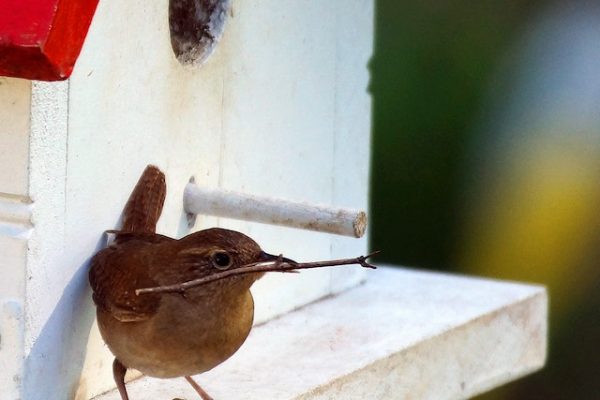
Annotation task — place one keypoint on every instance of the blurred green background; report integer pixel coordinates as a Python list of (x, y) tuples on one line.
[(486, 159)]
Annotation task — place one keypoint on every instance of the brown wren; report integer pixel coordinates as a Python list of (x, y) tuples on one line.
[(176, 308)]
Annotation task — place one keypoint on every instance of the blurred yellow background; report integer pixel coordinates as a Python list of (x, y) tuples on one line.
[(486, 159)]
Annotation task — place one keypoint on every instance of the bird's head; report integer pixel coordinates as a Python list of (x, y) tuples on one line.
[(220, 255)]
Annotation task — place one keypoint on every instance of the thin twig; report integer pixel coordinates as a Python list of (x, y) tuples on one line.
[(270, 266)]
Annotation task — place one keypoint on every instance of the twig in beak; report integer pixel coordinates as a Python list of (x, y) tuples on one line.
[(277, 265)]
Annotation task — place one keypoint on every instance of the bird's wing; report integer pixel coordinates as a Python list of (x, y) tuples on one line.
[(117, 271), (143, 209)]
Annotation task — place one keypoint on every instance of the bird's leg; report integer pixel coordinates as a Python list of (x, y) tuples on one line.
[(198, 389), (119, 375)]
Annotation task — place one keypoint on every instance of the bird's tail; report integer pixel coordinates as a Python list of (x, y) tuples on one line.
[(143, 209)]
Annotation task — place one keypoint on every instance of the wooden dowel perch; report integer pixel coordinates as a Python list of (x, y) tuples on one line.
[(230, 204)]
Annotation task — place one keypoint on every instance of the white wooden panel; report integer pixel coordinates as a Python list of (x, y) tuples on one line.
[(12, 284), (15, 227), (278, 134), (55, 292), (15, 95), (354, 43), (12, 287), (11, 355)]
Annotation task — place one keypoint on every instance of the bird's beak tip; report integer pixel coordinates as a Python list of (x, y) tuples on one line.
[(264, 256)]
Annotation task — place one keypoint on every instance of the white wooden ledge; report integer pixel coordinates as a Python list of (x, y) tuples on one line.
[(403, 335)]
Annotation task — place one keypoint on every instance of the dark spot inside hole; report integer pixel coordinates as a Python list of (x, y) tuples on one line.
[(196, 27)]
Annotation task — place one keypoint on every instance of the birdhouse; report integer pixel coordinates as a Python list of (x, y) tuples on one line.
[(262, 100)]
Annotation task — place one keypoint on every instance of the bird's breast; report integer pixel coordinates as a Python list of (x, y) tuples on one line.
[(188, 335)]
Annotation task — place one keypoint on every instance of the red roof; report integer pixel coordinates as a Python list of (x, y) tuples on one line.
[(41, 39)]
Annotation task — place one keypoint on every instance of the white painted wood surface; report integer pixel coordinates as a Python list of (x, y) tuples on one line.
[(280, 109), (404, 334), (15, 227)]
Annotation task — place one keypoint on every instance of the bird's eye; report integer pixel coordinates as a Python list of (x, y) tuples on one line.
[(221, 260)]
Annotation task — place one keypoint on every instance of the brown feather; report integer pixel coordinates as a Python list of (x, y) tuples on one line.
[(145, 204)]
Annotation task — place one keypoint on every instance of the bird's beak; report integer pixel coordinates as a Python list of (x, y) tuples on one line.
[(264, 257)]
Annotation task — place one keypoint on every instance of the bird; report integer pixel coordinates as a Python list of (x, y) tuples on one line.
[(177, 307)]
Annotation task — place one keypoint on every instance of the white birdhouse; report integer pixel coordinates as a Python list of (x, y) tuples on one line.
[(261, 100)]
